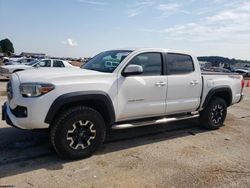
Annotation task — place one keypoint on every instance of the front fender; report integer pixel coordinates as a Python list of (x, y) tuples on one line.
[(82, 96)]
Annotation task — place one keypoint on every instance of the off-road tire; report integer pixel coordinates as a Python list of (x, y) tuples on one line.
[(214, 115), (66, 122)]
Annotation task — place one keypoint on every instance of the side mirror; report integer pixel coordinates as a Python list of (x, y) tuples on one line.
[(132, 70)]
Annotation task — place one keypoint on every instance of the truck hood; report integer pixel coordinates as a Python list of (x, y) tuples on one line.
[(55, 74)]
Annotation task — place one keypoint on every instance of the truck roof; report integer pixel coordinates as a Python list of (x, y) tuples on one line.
[(160, 49)]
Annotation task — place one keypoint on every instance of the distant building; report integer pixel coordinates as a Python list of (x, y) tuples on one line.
[(35, 55)]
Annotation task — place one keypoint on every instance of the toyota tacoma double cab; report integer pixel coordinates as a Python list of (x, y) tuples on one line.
[(118, 89)]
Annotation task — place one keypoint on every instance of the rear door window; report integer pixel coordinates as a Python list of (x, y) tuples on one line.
[(179, 64), (57, 63)]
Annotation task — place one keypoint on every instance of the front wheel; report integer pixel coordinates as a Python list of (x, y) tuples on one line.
[(214, 115), (78, 132)]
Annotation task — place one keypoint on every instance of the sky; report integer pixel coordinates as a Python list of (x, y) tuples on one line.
[(83, 28)]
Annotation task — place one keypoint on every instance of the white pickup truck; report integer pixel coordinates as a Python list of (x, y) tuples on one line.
[(118, 89)]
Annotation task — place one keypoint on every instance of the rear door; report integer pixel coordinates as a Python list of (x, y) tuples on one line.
[(184, 83)]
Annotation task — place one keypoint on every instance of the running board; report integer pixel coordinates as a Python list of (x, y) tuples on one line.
[(145, 123)]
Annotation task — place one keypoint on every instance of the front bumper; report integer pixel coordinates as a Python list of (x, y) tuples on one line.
[(5, 116), (25, 113), (23, 117)]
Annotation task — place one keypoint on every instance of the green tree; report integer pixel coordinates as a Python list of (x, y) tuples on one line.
[(6, 47)]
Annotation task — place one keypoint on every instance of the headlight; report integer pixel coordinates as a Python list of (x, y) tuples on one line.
[(35, 89)]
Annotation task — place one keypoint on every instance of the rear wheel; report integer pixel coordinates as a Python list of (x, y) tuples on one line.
[(78, 132), (214, 115)]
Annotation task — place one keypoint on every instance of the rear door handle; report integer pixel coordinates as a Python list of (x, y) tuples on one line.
[(194, 82), (160, 84)]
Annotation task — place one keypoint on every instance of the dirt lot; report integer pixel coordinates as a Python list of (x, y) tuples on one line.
[(173, 155)]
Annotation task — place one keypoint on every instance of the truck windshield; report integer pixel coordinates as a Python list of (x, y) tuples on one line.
[(32, 63), (106, 61)]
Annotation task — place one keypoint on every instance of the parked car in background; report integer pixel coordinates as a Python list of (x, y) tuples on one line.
[(26, 60), (13, 58), (247, 69), (243, 72), (216, 69), (10, 62), (21, 61), (7, 70)]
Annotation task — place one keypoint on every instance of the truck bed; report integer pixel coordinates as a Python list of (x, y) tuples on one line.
[(213, 80), (218, 73)]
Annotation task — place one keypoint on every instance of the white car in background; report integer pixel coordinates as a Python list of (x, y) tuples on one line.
[(14, 58), (24, 61), (7, 70)]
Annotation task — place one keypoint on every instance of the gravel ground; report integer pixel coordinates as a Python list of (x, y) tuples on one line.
[(173, 155)]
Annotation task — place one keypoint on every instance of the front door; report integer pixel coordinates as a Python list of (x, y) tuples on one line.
[(143, 95)]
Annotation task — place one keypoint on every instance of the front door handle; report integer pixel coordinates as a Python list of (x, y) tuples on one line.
[(194, 82), (160, 84)]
